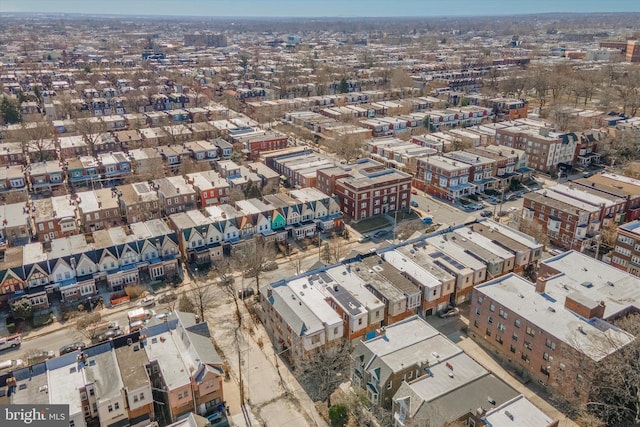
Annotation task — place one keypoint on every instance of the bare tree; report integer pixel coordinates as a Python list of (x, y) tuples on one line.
[(333, 250), (320, 372), (37, 138), (628, 91), (198, 300), (84, 324), (535, 230), (91, 129), (615, 388), (348, 146), (253, 258)]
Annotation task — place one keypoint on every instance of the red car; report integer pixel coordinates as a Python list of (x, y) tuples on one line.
[(414, 191)]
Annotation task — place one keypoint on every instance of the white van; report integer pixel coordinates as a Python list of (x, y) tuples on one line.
[(11, 365)]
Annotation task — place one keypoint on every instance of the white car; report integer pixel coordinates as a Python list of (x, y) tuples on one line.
[(512, 209), (147, 301)]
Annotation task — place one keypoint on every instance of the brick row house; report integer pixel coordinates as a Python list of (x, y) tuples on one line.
[(74, 266)]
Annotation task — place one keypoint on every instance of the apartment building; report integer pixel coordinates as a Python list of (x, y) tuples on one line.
[(546, 150), (366, 188), (626, 253), (618, 186), (482, 171), (556, 331)]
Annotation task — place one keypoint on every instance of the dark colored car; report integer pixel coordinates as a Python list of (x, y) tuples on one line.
[(380, 233), (449, 312), (72, 347), (485, 213), (245, 293)]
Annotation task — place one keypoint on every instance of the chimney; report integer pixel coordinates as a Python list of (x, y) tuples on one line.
[(541, 284)]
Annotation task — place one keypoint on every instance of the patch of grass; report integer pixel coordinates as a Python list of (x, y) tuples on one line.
[(42, 320), (369, 224)]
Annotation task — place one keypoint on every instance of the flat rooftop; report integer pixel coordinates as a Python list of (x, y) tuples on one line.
[(594, 338)]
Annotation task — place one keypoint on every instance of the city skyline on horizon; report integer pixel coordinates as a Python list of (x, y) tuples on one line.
[(316, 8)]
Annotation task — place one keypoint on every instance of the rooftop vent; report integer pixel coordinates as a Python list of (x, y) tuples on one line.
[(551, 309)]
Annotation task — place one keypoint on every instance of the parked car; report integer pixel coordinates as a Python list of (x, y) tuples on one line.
[(364, 238), (503, 213), (427, 220), (147, 301), (214, 418), (414, 191), (449, 312), (414, 203), (79, 345), (167, 296), (245, 293), (270, 266), (512, 209), (380, 233), (108, 335), (486, 213)]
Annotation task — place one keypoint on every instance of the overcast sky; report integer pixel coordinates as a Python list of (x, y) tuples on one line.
[(318, 8)]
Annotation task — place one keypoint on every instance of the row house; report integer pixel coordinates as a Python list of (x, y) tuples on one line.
[(618, 186), (269, 179), (116, 122), (556, 330), (400, 296), (626, 252), (366, 188), (112, 383), (14, 224), (203, 150), (73, 146), (52, 218), (435, 285), (482, 170), (174, 156), (183, 362), (98, 209), (444, 177), (45, 175), (42, 150), (128, 139), (547, 151), (138, 202), (122, 254), (114, 165), (204, 238), (509, 109), (439, 141), (297, 166), (103, 143), (146, 162), (176, 194), (457, 261), (507, 163), (82, 170), (587, 147), (11, 153), (210, 187), (202, 130), (257, 141), (297, 317), (569, 223), (12, 179)]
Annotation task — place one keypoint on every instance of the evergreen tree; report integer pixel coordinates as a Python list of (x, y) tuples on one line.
[(10, 111)]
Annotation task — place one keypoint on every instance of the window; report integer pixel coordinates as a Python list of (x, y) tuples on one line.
[(512, 349), (480, 299), (410, 375), (475, 323), (490, 320), (501, 327), (550, 344), (477, 312), (503, 314), (545, 356), (110, 407), (92, 392), (492, 308), (488, 332), (514, 337), (360, 321), (530, 331), (389, 385), (135, 398), (116, 405), (517, 323)]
